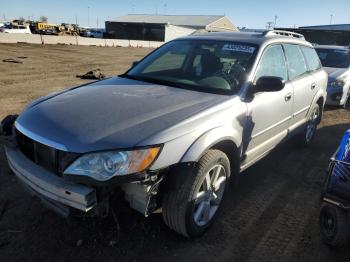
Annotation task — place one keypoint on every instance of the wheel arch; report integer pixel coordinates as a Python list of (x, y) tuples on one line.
[(320, 99), (225, 139)]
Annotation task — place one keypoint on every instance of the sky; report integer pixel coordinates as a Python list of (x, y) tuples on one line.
[(245, 13)]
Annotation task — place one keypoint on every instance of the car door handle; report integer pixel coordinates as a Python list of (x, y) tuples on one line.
[(288, 97), (313, 86)]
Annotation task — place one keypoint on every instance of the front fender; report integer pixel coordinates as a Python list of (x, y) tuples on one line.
[(208, 140)]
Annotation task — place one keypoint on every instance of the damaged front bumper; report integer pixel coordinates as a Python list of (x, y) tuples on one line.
[(56, 192), (66, 197)]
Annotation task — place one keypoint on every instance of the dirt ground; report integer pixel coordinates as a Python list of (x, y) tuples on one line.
[(271, 215)]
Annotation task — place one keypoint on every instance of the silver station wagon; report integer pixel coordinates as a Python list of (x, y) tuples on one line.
[(174, 130)]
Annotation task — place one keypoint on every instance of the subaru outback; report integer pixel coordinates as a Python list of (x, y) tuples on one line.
[(174, 130)]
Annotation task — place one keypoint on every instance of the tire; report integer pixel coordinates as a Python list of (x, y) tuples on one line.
[(306, 137), (346, 100), (191, 201), (334, 225)]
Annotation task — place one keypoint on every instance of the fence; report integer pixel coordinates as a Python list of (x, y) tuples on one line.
[(74, 40)]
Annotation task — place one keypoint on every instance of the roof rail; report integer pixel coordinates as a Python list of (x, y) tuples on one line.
[(283, 33)]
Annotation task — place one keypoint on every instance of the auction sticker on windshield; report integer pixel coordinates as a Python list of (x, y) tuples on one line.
[(238, 48)]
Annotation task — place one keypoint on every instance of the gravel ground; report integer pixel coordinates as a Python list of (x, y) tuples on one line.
[(270, 216)]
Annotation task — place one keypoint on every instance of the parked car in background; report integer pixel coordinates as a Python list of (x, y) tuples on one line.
[(172, 131), (94, 33), (16, 29), (336, 61)]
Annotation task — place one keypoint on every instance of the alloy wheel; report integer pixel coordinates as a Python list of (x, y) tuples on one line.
[(209, 196), (312, 125)]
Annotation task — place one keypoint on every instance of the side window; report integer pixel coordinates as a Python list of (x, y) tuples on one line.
[(311, 58), (272, 63), (295, 60)]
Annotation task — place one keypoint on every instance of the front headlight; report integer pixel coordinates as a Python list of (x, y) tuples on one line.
[(105, 165), (339, 82)]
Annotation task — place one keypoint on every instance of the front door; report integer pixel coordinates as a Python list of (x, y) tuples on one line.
[(269, 113)]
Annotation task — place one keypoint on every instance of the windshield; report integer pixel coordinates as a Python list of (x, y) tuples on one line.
[(207, 66), (339, 58)]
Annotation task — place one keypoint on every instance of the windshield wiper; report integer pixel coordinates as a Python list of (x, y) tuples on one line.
[(176, 85), (131, 77), (152, 80)]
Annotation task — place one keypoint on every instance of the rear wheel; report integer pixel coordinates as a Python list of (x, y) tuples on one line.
[(334, 225), (195, 193), (306, 137)]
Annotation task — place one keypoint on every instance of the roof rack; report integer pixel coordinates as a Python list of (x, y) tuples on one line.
[(283, 33)]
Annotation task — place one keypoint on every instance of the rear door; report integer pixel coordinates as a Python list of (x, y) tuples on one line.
[(315, 67), (303, 82)]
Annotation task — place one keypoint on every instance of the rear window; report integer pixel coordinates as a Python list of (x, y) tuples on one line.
[(311, 58), (295, 60)]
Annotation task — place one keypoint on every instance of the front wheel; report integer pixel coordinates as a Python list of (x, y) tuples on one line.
[(194, 194)]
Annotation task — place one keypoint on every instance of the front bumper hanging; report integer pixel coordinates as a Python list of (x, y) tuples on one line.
[(48, 186)]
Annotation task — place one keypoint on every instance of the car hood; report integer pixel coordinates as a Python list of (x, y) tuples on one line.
[(334, 73), (111, 114)]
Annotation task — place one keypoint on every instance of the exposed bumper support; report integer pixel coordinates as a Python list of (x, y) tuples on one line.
[(48, 185)]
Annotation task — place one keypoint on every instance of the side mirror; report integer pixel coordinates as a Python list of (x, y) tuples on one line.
[(269, 84), (135, 63)]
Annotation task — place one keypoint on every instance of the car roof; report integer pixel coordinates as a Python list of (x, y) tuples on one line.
[(256, 38)]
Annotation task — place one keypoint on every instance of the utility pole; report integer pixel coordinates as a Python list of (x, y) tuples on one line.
[(331, 20), (276, 17), (97, 22), (88, 16), (156, 7), (76, 19)]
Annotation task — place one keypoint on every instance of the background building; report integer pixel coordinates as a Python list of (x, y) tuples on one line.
[(164, 28), (325, 34)]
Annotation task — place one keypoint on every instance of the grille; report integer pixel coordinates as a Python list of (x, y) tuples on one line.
[(51, 159)]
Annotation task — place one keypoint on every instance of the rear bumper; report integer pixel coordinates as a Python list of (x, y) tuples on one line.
[(58, 193)]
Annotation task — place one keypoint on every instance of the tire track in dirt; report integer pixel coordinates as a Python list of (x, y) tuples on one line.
[(289, 224), (247, 238)]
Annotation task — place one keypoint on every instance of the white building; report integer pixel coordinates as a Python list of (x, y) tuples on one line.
[(164, 28)]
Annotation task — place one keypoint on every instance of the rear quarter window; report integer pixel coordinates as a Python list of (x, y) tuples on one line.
[(295, 61), (312, 58)]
